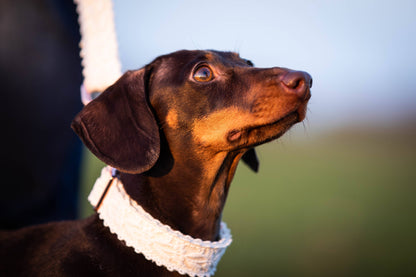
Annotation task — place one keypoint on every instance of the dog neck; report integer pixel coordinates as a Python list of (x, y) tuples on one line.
[(191, 196), (157, 242)]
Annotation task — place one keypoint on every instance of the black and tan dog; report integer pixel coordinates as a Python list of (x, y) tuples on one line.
[(175, 130)]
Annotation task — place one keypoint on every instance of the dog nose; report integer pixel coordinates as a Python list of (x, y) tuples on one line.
[(297, 82)]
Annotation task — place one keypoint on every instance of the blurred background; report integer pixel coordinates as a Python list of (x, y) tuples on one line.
[(335, 195)]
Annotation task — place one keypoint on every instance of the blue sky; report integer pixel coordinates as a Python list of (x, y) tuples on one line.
[(361, 54)]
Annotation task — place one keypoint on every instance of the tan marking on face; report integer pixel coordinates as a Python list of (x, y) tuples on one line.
[(213, 129), (214, 166), (210, 56), (172, 119)]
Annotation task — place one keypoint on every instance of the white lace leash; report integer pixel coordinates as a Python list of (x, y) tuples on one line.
[(99, 51), (148, 236)]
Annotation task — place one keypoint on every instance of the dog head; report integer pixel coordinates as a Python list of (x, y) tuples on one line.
[(201, 101)]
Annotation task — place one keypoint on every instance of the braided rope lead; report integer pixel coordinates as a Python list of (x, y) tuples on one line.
[(99, 50)]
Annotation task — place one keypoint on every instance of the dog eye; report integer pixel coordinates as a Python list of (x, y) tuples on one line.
[(203, 74)]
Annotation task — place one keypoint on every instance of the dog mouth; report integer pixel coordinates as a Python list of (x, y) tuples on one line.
[(256, 135), (252, 136), (268, 132)]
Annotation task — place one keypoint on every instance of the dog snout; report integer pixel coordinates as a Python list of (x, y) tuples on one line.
[(298, 82)]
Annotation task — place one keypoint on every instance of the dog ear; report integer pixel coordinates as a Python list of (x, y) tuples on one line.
[(119, 126), (250, 159)]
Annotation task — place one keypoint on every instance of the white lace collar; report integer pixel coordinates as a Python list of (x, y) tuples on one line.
[(148, 236)]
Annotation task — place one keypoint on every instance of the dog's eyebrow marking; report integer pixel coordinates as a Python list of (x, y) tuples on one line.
[(209, 56)]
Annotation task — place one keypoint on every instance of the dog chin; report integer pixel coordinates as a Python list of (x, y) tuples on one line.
[(256, 135), (275, 129), (272, 131)]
